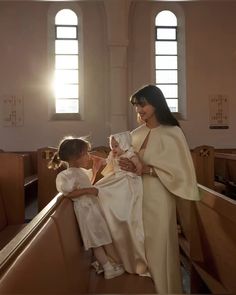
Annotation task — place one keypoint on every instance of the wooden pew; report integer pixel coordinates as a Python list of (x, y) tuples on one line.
[(225, 166), (203, 159), (226, 150), (47, 257), (8, 228), (18, 179), (27, 165), (46, 177), (225, 169), (12, 180), (208, 241), (12, 194)]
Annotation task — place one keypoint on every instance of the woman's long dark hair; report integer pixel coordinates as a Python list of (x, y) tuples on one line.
[(154, 96)]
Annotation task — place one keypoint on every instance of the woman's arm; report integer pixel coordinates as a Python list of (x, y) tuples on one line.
[(127, 165), (148, 169), (83, 191), (138, 164)]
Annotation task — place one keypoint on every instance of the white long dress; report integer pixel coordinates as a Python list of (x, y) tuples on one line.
[(167, 151), (120, 195), (93, 227)]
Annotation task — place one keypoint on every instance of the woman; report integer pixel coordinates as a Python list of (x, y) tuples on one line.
[(168, 173)]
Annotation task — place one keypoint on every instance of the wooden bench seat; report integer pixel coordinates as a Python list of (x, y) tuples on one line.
[(47, 257), (203, 159), (225, 170), (208, 241), (8, 233), (7, 229), (46, 177), (31, 179), (17, 177)]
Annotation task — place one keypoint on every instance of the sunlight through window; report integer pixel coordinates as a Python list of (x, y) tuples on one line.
[(166, 57), (66, 70)]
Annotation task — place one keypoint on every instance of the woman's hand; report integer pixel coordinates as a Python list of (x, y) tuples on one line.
[(127, 165), (92, 191)]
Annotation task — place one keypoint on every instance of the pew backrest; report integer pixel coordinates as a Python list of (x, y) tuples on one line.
[(46, 177), (211, 239), (12, 186), (47, 257), (203, 159), (225, 166)]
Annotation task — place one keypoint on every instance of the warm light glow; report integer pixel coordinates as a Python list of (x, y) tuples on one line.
[(166, 18), (66, 71), (66, 17)]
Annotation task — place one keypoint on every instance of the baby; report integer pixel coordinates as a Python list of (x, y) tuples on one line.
[(120, 195)]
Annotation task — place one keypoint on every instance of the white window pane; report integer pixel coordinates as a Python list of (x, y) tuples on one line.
[(66, 32), (66, 47), (169, 91), (166, 47), (66, 17), (66, 76), (166, 34), (166, 18), (166, 76), (66, 62), (173, 105), (67, 106), (166, 62), (66, 91)]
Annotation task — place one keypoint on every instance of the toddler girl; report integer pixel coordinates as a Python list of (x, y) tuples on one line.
[(75, 184)]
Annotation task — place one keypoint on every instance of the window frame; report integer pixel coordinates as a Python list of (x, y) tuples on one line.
[(181, 58), (53, 10)]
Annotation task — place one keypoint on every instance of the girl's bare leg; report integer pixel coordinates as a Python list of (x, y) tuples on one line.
[(100, 255), (109, 270), (111, 252)]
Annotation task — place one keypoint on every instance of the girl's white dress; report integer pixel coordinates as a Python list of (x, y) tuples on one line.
[(93, 227), (120, 196)]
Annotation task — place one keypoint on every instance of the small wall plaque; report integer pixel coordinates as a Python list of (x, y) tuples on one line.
[(218, 111), (13, 111)]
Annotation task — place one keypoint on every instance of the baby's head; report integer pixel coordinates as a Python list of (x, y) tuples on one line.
[(120, 143)]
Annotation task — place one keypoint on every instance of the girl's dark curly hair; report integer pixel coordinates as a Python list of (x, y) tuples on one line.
[(68, 148)]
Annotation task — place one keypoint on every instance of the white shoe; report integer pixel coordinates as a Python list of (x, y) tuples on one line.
[(97, 266), (115, 271)]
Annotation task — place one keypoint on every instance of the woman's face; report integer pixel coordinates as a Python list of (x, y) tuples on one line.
[(145, 111)]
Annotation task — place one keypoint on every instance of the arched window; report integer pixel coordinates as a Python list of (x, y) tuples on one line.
[(169, 67), (65, 54)]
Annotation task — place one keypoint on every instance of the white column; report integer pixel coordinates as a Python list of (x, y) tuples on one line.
[(117, 30)]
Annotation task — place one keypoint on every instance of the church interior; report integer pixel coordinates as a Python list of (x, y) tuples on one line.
[(114, 51)]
